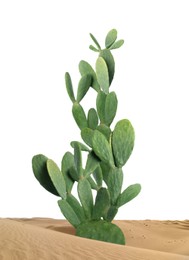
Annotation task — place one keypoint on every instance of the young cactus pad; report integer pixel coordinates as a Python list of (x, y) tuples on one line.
[(107, 152)]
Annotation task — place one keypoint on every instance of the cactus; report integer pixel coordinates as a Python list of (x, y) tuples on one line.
[(107, 152)]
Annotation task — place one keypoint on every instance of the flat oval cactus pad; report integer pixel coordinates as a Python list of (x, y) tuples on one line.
[(101, 230)]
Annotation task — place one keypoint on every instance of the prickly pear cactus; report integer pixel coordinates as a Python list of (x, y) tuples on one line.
[(107, 152)]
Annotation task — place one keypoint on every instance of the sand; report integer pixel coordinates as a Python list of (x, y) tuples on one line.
[(42, 238)]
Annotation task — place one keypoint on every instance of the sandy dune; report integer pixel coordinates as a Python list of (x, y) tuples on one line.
[(51, 239)]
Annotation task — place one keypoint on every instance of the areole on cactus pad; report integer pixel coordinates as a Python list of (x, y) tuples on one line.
[(107, 152)]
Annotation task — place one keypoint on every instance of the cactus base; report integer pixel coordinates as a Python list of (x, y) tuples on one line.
[(101, 230)]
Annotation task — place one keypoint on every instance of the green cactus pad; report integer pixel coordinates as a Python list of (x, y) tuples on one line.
[(112, 211), (85, 68), (117, 44), (102, 74), (105, 130), (82, 146), (102, 203), (57, 178), (79, 115), (73, 173), (92, 119), (92, 183), (69, 213), (83, 86), (87, 134), (110, 38), (86, 197), (102, 148), (91, 165), (40, 171), (128, 194), (97, 174), (69, 87), (78, 160), (101, 230), (114, 183), (91, 47), (67, 163), (107, 56), (105, 171), (110, 108), (122, 142), (100, 105), (74, 203)]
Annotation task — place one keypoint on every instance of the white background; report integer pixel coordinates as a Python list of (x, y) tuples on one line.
[(39, 42)]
